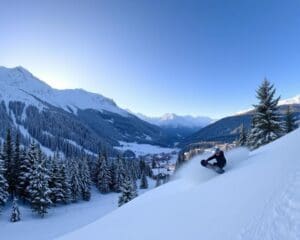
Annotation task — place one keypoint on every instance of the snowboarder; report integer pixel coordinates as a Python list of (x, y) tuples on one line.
[(220, 158)]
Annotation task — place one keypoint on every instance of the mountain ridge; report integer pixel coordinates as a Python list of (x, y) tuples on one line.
[(175, 120), (22, 79), (72, 118)]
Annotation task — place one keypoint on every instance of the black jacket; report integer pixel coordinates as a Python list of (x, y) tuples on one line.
[(221, 160)]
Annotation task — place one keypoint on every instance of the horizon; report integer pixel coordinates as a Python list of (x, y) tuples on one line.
[(200, 58)]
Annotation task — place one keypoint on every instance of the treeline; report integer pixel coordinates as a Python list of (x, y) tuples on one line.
[(28, 175), (52, 127), (267, 123)]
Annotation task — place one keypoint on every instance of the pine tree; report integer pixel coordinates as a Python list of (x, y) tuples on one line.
[(119, 174), (56, 183), (103, 176), (242, 141), (38, 190), (74, 177), (112, 169), (144, 181), (25, 170), (3, 183), (127, 191), (15, 213), (180, 160), (166, 178), (85, 179), (8, 155), (158, 181), (132, 169), (266, 125), (18, 158), (289, 121), (134, 188), (66, 186)]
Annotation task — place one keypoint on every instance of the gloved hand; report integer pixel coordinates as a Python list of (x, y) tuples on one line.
[(204, 162)]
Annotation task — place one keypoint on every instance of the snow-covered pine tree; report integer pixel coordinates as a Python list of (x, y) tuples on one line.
[(134, 187), (158, 181), (15, 212), (8, 156), (25, 170), (180, 160), (266, 124), (289, 120), (166, 178), (142, 166), (113, 168), (3, 183), (56, 182), (132, 169), (119, 174), (74, 177), (242, 141), (85, 179), (66, 186), (251, 133), (38, 190), (103, 176), (127, 191), (144, 181), (18, 158)]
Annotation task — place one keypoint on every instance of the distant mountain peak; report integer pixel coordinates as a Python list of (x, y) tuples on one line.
[(176, 121), (294, 100), (168, 116)]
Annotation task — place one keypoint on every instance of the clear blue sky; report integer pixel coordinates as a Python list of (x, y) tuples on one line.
[(157, 56)]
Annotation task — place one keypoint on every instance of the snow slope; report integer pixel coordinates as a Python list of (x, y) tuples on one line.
[(257, 198), (18, 84), (61, 219)]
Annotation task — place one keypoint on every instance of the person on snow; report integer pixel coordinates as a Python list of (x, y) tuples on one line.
[(219, 157)]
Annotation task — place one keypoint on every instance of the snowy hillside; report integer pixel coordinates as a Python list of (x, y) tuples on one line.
[(257, 198), (67, 119), (60, 219), (19, 84), (175, 121)]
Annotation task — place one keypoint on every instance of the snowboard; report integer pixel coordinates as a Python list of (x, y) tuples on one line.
[(212, 167)]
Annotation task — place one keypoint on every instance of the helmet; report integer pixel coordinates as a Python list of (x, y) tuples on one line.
[(217, 150)]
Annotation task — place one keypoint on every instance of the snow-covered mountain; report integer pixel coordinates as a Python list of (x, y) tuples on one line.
[(176, 121), (290, 101), (258, 197), (18, 84), (67, 119)]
